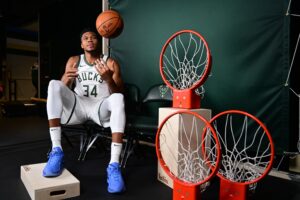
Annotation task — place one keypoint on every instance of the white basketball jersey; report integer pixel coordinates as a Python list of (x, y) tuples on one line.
[(89, 82)]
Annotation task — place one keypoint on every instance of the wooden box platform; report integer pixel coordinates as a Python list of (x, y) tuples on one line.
[(41, 188), (295, 163)]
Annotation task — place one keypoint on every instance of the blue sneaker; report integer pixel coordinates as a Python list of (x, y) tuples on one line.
[(55, 165), (114, 178)]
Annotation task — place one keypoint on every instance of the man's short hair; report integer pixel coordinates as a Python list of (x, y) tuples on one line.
[(88, 29)]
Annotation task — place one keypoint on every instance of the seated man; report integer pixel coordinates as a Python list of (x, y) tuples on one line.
[(96, 96)]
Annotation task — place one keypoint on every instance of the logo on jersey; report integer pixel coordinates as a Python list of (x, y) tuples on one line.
[(89, 76)]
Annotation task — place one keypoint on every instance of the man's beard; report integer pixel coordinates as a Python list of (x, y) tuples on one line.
[(94, 51)]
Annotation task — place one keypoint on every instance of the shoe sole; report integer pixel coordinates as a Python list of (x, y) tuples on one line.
[(52, 174), (116, 192)]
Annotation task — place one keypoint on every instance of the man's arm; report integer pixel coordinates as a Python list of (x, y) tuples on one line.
[(117, 84), (70, 71), (110, 72)]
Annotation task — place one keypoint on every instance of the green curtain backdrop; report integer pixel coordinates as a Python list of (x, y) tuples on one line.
[(249, 43)]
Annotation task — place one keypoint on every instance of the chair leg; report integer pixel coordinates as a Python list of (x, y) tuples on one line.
[(124, 154), (88, 139), (83, 144), (128, 150), (92, 140)]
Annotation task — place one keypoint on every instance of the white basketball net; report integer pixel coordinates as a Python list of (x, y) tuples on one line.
[(181, 146), (185, 60), (246, 149)]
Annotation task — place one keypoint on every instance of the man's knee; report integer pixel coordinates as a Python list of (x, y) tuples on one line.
[(54, 86), (117, 100)]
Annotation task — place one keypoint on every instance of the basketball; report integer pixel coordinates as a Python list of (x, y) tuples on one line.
[(109, 24)]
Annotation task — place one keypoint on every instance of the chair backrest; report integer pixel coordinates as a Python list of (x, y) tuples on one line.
[(132, 98), (157, 96)]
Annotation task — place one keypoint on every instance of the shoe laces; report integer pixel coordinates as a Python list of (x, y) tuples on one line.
[(115, 172), (54, 154)]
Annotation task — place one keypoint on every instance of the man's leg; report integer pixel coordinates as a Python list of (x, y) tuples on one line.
[(59, 97), (113, 107), (117, 124)]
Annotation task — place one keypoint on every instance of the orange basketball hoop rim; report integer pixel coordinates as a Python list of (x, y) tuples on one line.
[(214, 168), (272, 151), (186, 98), (247, 153)]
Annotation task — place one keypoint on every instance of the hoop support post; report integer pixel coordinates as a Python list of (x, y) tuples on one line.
[(183, 192), (186, 99), (232, 190)]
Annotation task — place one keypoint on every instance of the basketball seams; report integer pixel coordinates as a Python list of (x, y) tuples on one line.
[(115, 24), (109, 20), (114, 21)]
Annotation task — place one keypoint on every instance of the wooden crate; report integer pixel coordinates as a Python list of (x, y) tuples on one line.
[(42, 188), (295, 163)]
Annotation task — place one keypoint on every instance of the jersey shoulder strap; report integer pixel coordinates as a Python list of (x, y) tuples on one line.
[(80, 60)]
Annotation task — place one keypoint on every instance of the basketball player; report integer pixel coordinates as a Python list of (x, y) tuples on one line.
[(96, 96)]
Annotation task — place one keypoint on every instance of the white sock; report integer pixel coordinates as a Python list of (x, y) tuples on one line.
[(55, 134), (116, 149)]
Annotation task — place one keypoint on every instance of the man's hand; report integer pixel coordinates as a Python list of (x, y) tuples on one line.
[(70, 74), (104, 71)]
